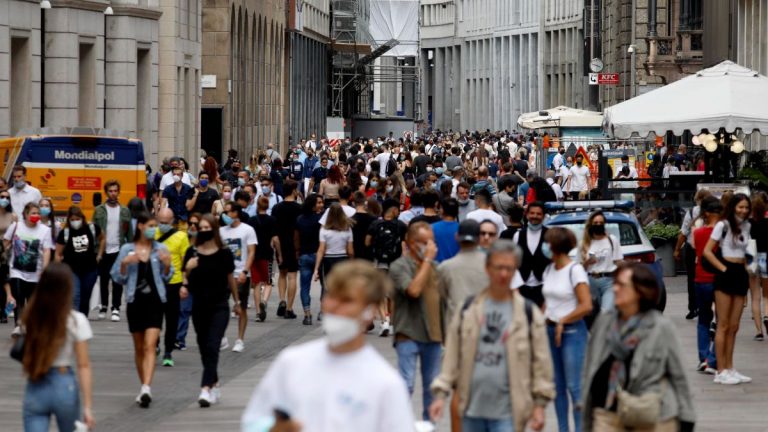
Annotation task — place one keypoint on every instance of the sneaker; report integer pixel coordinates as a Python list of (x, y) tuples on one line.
[(758, 337), (102, 313), (742, 378), (701, 367), (370, 327), (692, 314), (281, 309), (710, 370), (145, 397), (233, 315), (205, 399), (180, 346), (16, 331), (726, 378), (167, 360), (115, 315), (706, 369), (384, 332), (262, 315), (319, 316), (307, 320), (216, 393), (224, 344), (289, 314), (239, 346)]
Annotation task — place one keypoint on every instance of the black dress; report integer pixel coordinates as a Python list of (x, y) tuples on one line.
[(146, 310)]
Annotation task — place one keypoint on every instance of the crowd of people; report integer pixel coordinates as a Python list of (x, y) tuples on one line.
[(438, 244)]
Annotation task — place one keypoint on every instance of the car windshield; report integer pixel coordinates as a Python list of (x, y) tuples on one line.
[(625, 232)]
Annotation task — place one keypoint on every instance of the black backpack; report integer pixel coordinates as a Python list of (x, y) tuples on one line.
[(386, 242), (391, 166)]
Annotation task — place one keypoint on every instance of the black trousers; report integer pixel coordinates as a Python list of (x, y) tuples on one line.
[(690, 271), (172, 307), (105, 265), (210, 324), (21, 290), (533, 293)]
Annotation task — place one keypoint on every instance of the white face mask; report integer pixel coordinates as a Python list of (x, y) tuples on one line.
[(340, 329), (76, 224)]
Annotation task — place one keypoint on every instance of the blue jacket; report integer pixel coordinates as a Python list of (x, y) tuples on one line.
[(129, 280)]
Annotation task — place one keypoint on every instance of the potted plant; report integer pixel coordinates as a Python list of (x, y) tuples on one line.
[(663, 238)]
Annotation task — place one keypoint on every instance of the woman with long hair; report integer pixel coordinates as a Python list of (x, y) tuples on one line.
[(355, 180), (211, 167), (758, 280), (226, 197), (375, 187), (731, 236), (306, 240), (208, 277), (7, 217), (80, 245), (56, 342), (335, 243), (136, 206), (600, 253), (329, 186), (143, 267), (253, 167)]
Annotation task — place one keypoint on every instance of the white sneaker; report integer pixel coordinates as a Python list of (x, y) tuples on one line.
[(102, 314), (115, 315), (216, 393), (384, 332), (725, 377), (145, 397), (16, 331), (205, 400), (239, 346), (224, 343), (742, 378)]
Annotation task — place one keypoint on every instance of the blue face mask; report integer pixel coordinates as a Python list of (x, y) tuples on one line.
[(149, 233), (546, 250), (164, 228), (204, 183), (4, 202), (266, 190), (45, 211), (374, 184), (241, 181), (535, 227), (439, 170), (226, 220)]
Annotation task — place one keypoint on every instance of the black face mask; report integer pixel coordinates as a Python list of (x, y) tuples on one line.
[(597, 229), (204, 236)]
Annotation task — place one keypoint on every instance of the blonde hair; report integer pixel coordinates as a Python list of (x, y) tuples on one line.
[(337, 220)]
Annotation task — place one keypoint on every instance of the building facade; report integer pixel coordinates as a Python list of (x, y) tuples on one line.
[(74, 78), (485, 63), (245, 57), (309, 24)]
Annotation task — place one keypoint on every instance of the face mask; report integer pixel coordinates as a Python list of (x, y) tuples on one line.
[(226, 220), (45, 211), (463, 201), (597, 229), (241, 181), (266, 190), (433, 186), (226, 195), (76, 224), (340, 329), (546, 250), (191, 233), (176, 179), (34, 219), (390, 189), (374, 184), (149, 233), (535, 227), (204, 236), (204, 183), (579, 163), (164, 228), (4, 202), (20, 184), (429, 169), (439, 170)]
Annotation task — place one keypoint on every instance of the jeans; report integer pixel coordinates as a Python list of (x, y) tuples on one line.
[(477, 424), (105, 265), (185, 312), (602, 292), (408, 352), (306, 268), (567, 362), (21, 290), (705, 296), (172, 308), (210, 324), (83, 288), (56, 393)]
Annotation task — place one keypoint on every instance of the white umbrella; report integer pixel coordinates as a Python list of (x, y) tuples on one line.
[(561, 116), (724, 96)]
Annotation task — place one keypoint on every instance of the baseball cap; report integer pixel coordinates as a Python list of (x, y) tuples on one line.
[(469, 231)]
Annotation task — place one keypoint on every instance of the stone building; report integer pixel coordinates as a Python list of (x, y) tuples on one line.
[(244, 70), (485, 63)]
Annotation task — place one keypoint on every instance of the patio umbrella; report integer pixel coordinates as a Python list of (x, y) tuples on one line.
[(561, 116)]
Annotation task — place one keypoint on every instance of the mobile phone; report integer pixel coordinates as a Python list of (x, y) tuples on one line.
[(281, 415)]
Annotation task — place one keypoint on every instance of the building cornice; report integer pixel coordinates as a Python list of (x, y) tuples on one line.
[(87, 5), (138, 12)]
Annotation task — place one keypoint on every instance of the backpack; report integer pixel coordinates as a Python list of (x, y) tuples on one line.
[(90, 226), (391, 166), (386, 242)]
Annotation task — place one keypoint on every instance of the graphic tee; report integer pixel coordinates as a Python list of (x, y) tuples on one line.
[(237, 240), (27, 246)]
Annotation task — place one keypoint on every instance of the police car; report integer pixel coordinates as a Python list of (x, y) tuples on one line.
[(619, 221)]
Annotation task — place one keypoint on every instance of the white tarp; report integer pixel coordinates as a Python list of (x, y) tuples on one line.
[(396, 19), (726, 95), (560, 116)]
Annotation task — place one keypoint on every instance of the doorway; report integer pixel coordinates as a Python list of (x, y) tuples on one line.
[(212, 133)]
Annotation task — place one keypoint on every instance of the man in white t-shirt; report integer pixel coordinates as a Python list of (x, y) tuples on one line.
[(22, 193), (578, 178), (347, 385), (241, 240), (167, 179), (485, 212), (555, 187), (559, 160), (383, 158), (632, 173)]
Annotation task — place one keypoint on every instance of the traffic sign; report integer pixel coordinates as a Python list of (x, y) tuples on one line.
[(593, 79), (608, 78)]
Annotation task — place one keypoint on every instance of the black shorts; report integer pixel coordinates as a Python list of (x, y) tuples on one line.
[(734, 280), (290, 263), (244, 291), (145, 312)]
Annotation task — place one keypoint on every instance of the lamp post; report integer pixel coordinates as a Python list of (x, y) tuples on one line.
[(631, 50), (44, 4), (107, 12)]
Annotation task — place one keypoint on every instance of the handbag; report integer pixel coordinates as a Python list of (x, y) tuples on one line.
[(641, 411), (17, 350)]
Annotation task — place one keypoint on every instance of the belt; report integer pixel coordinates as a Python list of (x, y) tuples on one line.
[(600, 275), (551, 323)]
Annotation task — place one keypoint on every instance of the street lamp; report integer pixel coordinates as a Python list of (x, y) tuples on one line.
[(45, 4), (631, 51)]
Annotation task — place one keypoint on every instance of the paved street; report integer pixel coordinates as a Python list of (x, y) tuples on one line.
[(737, 408)]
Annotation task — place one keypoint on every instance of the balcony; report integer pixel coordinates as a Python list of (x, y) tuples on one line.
[(689, 46)]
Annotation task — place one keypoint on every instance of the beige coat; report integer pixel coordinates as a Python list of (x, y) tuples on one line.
[(528, 358)]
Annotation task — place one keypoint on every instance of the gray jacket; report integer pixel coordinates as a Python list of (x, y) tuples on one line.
[(656, 357)]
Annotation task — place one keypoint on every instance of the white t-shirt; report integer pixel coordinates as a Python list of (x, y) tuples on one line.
[(563, 172), (349, 211), (579, 176), (533, 237), (482, 214), (335, 241), (353, 392), (559, 289), (113, 229), (167, 180), (517, 280), (556, 188), (606, 252), (27, 247), (238, 239), (557, 162), (731, 247), (78, 330), (383, 159), (21, 197)]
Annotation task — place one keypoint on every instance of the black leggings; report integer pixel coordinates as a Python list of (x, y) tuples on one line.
[(21, 290), (172, 307), (105, 265), (328, 263), (210, 324)]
